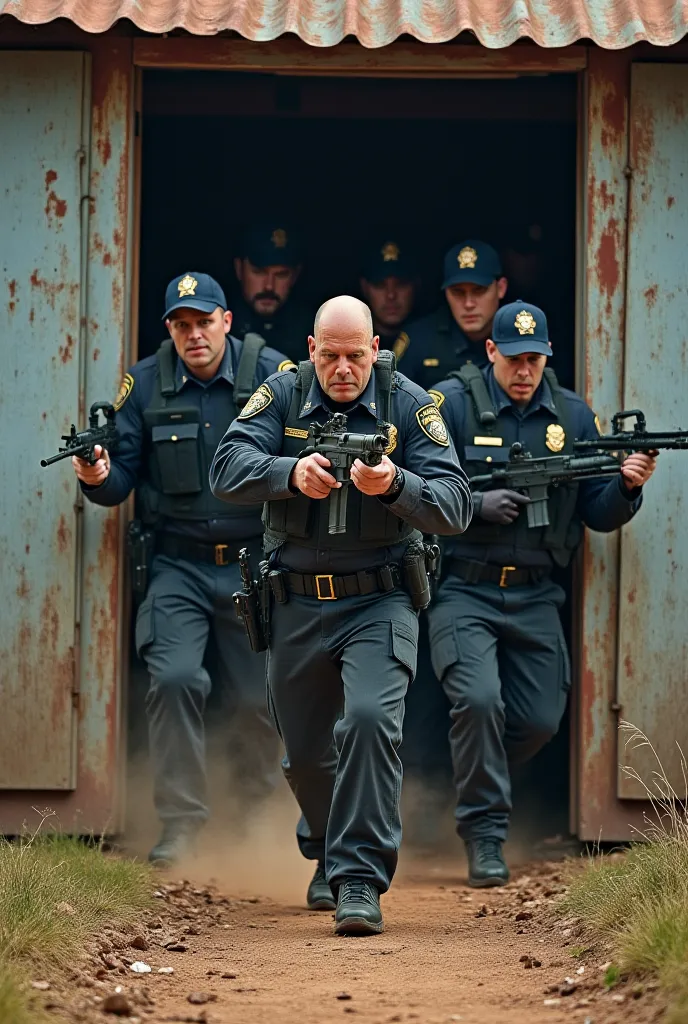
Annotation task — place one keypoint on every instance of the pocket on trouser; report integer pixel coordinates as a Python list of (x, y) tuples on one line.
[(144, 634), (444, 651), (404, 646)]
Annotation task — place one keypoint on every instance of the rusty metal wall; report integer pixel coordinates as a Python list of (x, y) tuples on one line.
[(652, 665), (98, 329), (44, 173)]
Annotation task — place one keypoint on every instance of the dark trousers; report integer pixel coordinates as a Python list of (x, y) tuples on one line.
[(501, 656), (337, 675), (184, 602)]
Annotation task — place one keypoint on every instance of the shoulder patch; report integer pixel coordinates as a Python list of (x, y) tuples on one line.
[(125, 389), (286, 364), (258, 401), (432, 424), (401, 344), (436, 396)]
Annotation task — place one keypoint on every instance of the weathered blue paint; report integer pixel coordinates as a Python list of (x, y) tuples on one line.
[(653, 639), (41, 287)]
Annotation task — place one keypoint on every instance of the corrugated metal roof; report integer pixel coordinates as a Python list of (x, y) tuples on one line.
[(612, 24)]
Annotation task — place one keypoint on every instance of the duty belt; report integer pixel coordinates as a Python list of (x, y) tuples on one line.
[(504, 575), (328, 587), (175, 546)]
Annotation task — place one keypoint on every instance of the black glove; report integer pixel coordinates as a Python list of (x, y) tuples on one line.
[(500, 506)]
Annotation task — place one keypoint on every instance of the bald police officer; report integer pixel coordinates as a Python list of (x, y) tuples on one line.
[(172, 410), (496, 637), (455, 333), (389, 283), (267, 269), (344, 632)]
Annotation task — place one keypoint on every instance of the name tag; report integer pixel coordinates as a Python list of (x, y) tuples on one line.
[(295, 432), (490, 441), (431, 362)]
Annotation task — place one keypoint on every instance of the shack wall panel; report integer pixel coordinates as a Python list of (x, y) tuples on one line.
[(652, 663), (41, 98)]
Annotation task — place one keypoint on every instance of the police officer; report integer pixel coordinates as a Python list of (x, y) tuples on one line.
[(389, 282), (343, 648), (455, 333), (496, 637), (267, 269), (171, 411)]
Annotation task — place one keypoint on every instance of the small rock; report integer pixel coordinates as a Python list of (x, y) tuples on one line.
[(165, 970), (551, 989), (551, 1002), (637, 991), (200, 998), (619, 999), (581, 970), (138, 967), (228, 975), (482, 912), (40, 986), (117, 1003), (140, 942), (192, 930), (65, 908), (109, 962), (524, 915), (343, 996), (566, 933), (556, 963), (581, 1004), (176, 947), (567, 990), (209, 974)]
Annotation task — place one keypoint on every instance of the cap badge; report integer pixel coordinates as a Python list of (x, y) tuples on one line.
[(525, 323), (555, 438), (390, 252), (279, 238), (467, 258), (187, 286)]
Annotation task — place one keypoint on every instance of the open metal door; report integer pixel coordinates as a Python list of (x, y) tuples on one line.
[(652, 662), (44, 119)]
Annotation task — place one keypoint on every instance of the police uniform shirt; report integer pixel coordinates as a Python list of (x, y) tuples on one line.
[(436, 345), (248, 466), (603, 504), (287, 331), (215, 401)]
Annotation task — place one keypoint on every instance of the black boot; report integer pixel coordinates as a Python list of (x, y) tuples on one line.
[(319, 895), (486, 864), (176, 842), (358, 909)]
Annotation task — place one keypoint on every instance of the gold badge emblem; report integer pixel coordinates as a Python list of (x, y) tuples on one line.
[(431, 361), (125, 390), (401, 344), (258, 401), (187, 286), (525, 323), (436, 396), (467, 258), (393, 434), (555, 438), (279, 238), (432, 424), (390, 252), (295, 432), (598, 425), (286, 364)]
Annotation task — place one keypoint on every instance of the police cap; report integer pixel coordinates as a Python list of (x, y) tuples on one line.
[(521, 327), (194, 291), (471, 262), (272, 244), (388, 258)]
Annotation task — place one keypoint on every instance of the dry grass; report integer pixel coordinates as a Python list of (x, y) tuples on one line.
[(55, 892), (640, 902)]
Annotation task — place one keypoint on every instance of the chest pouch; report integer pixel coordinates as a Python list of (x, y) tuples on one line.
[(175, 449)]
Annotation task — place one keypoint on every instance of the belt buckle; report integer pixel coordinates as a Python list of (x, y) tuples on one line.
[(325, 597), (219, 554), (503, 577)]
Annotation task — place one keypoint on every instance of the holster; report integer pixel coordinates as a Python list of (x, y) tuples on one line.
[(415, 576), (140, 550)]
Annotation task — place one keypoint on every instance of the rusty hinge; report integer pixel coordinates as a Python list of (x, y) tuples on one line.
[(628, 171), (615, 707)]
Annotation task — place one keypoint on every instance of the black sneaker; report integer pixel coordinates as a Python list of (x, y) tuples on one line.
[(319, 895), (358, 909), (486, 864), (177, 841)]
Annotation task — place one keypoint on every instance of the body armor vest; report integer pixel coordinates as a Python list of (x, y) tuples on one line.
[(179, 449), (303, 520), (565, 530)]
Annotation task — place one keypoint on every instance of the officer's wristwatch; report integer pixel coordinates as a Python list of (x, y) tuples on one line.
[(396, 486)]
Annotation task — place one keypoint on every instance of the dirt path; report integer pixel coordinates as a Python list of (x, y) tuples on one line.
[(448, 954)]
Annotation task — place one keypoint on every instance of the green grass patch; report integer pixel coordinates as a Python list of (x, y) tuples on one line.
[(55, 892), (639, 902)]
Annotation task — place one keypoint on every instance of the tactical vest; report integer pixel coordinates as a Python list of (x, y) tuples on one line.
[(565, 530), (180, 449), (303, 520)]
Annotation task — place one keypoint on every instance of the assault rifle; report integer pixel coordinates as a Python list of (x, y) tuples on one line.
[(333, 440), (637, 440), (82, 443)]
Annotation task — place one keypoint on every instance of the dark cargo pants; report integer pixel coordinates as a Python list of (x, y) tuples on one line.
[(185, 600), (337, 675), (501, 656)]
